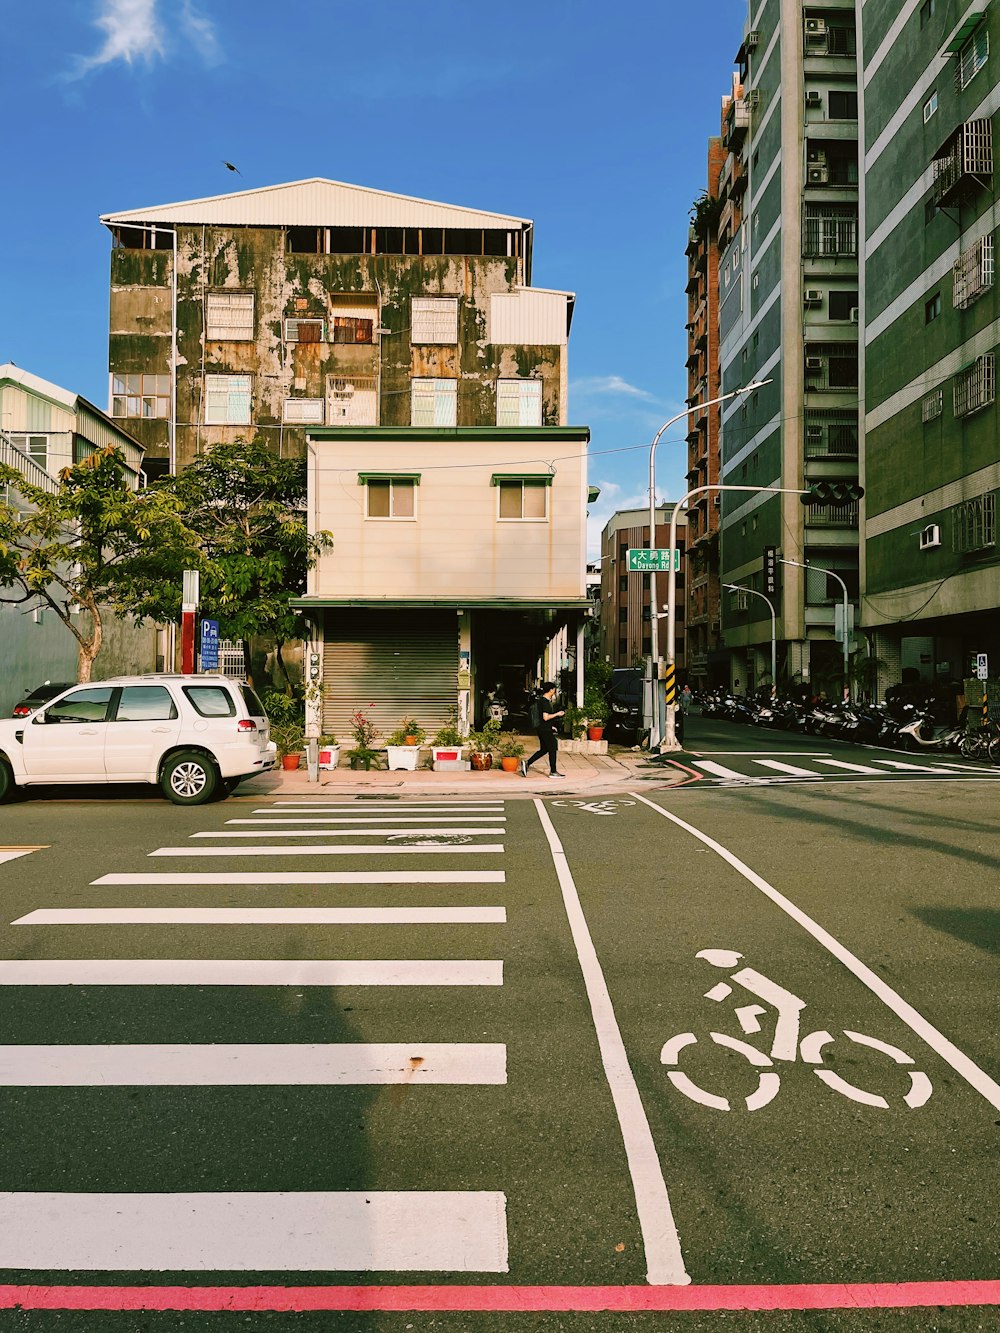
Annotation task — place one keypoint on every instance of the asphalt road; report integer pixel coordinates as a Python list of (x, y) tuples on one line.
[(549, 1107)]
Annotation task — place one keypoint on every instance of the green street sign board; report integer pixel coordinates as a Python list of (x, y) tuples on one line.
[(641, 561)]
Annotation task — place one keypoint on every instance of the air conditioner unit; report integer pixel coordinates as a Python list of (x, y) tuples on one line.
[(752, 98), (814, 363), (814, 97), (815, 29), (930, 537), (853, 316), (812, 296), (816, 155), (817, 175), (814, 432), (752, 40)]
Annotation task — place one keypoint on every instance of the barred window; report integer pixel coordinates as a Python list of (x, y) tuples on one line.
[(933, 406), (972, 273), (972, 57), (976, 523), (229, 316), (975, 386), (831, 230)]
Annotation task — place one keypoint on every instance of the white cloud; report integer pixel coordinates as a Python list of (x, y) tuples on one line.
[(603, 384), (140, 31)]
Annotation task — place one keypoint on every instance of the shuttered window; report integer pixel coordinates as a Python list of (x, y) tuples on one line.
[(434, 402), (352, 402), (519, 402), (434, 319), (303, 411)]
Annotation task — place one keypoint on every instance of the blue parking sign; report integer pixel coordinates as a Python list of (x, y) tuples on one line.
[(209, 645)]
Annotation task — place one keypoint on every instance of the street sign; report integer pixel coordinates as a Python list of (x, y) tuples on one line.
[(982, 667), (209, 645), (641, 561), (838, 621), (770, 570)]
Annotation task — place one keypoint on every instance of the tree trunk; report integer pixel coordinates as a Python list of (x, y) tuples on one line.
[(247, 662), (89, 646)]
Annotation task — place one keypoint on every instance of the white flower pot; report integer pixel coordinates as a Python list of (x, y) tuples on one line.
[(402, 756), (446, 752), (329, 756)]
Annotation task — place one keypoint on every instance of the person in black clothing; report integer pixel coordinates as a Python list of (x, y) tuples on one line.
[(548, 742)]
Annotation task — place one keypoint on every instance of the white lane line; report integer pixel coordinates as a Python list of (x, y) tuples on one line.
[(356, 1231), (907, 767), (664, 1261), (779, 767), (263, 1065), (312, 877), (850, 768), (342, 807), (721, 771), (353, 833), (966, 1068), (264, 916), (451, 849), (251, 972), (981, 769), (782, 754), (360, 820), (12, 853)]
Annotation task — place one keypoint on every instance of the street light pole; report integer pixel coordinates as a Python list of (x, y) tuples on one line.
[(847, 645), (654, 635), (738, 587)]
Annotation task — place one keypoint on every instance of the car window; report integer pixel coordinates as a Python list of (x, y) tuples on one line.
[(145, 703), (254, 706), (210, 700), (90, 705)]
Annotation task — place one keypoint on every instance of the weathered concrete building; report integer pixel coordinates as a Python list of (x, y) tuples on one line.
[(931, 326), (403, 340), (788, 312)]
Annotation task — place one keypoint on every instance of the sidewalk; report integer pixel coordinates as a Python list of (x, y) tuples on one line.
[(585, 773)]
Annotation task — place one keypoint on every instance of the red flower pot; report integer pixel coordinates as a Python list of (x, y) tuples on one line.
[(595, 733), (290, 761)]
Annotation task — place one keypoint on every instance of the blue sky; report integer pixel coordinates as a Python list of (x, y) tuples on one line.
[(590, 118)]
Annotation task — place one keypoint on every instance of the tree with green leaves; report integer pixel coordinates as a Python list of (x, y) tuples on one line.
[(248, 509), (92, 545)]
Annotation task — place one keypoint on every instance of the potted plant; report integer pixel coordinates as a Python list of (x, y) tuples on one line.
[(482, 744), (510, 750), (447, 743), (575, 722), (596, 708), (402, 747), (289, 737), (365, 731), (329, 751)]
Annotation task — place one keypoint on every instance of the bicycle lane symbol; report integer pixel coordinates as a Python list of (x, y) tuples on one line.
[(610, 806), (787, 1045)]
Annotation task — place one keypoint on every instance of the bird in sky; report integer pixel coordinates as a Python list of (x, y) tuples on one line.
[(231, 167)]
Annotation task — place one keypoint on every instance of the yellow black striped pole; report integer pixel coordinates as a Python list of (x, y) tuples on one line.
[(670, 684)]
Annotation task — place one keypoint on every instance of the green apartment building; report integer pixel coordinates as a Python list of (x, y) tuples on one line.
[(789, 313), (931, 325)]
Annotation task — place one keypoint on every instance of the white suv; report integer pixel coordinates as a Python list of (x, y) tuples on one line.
[(194, 735)]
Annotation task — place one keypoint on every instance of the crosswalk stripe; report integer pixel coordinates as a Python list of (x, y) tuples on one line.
[(312, 877), (350, 1231), (981, 769), (251, 972), (360, 808), (12, 853), (353, 833), (359, 820), (788, 768), (451, 849), (721, 771), (258, 1065), (851, 768), (907, 767), (263, 916)]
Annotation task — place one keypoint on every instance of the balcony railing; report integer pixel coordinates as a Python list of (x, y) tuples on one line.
[(832, 516), (965, 163)]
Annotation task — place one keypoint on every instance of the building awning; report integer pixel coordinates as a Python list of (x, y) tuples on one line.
[(365, 477), (964, 31), (445, 603), (436, 434), (536, 478)]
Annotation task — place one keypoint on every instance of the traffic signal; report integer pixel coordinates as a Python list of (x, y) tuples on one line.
[(832, 493)]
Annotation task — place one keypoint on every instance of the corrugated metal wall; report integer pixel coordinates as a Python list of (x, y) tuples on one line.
[(404, 663)]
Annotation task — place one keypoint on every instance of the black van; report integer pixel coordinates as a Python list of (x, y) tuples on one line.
[(625, 725)]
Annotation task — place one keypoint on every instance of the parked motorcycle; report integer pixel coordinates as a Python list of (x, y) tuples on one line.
[(921, 732)]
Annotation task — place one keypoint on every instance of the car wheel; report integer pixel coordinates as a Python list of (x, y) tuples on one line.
[(8, 788), (189, 778)]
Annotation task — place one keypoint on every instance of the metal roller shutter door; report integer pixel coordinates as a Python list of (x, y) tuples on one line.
[(405, 663)]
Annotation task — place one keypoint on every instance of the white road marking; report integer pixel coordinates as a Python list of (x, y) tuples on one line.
[(353, 833), (342, 807), (907, 767), (12, 853), (664, 1261), (356, 1231), (449, 850), (782, 754), (263, 916), (257, 1065), (966, 1068), (721, 771), (312, 877), (251, 972), (788, 768), (372, 819), (851, 768)]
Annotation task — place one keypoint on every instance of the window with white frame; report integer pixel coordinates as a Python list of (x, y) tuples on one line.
[(519, 402), (227, 400), (972, 57), (522, 497), (36, 447), (976, 523), (972, 273), (930, 106), (305, 330), (303, 411), (975, 386), (434, 402), (229, 316), (140, 396), (351, 402), (434, 319), (390, 496), (933, 406)]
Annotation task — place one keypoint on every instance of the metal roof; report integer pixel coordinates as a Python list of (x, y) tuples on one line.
[(316, 203)]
